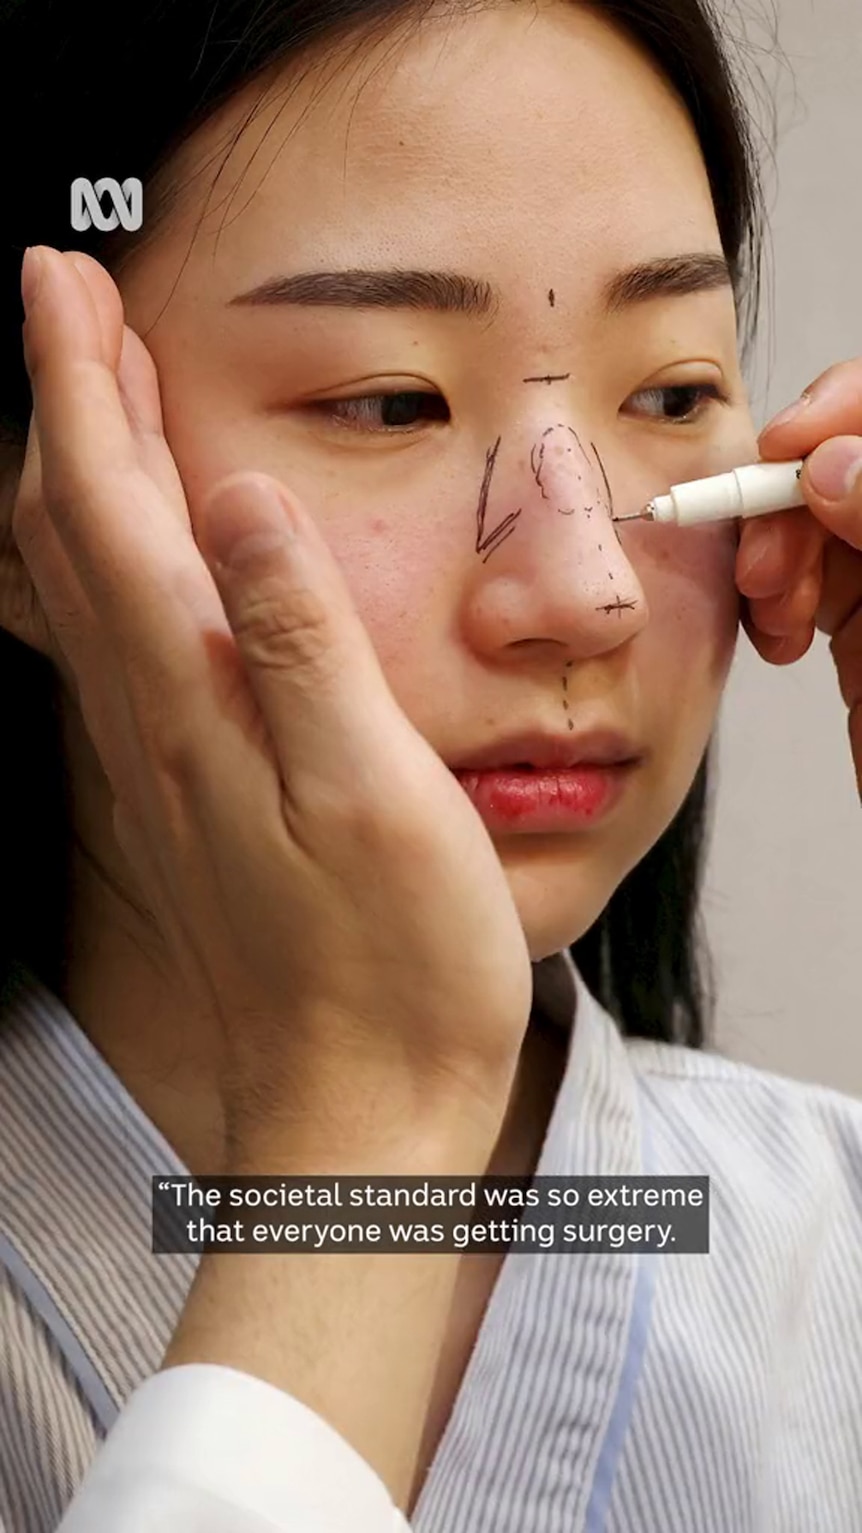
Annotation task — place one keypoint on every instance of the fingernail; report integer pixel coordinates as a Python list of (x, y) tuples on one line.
[(785, 416), (833, 470), (31, 276)]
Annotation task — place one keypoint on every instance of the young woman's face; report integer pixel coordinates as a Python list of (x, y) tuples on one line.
[(533, 156)]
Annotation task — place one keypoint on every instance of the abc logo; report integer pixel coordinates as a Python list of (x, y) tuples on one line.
[(128, 200)]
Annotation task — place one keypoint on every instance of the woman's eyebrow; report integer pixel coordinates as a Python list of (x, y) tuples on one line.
[(445, 292), (667, 277), (454, 293)]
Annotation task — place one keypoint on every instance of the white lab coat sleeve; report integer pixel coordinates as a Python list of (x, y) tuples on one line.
[(205, 1449)]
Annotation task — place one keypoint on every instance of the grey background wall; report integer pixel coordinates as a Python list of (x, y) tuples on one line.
[(783, 892)]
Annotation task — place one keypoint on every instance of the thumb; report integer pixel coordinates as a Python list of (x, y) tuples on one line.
[(308, 657), (832, 485)]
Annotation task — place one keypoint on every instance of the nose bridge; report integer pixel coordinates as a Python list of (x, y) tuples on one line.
[(571, 480), (561, 546)]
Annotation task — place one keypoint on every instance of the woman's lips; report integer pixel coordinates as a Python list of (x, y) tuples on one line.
[(547, 798)]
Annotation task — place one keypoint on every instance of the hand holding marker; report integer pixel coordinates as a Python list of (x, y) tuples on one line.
[(753, 491)]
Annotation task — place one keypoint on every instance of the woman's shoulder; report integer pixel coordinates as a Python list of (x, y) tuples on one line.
[(743, 1115), (710, 1066)]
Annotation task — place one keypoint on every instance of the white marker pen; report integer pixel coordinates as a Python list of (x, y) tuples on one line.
[(752, 491)]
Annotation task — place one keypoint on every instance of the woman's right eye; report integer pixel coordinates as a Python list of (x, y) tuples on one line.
[(401, 411)]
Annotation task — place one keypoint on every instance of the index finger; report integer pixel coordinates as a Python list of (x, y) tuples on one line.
[(830, 406), (123, 538), (151, 593)]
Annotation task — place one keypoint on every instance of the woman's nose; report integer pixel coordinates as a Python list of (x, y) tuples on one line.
[(555, 564)]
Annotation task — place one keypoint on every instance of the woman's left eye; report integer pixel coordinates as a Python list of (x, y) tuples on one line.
[(402, 410), (679, 403)]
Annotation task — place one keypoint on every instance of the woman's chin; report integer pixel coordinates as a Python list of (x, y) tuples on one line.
[(556, 901), (548, 931)]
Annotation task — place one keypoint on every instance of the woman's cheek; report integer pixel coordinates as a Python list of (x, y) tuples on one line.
[(688, 576), (399, 581)]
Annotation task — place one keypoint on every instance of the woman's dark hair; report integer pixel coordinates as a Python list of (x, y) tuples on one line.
[(95, 90)]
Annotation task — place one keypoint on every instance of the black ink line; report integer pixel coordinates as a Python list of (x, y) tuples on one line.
[(537, 463), (499, 534), (548, 378), (609, 490), (605, 477), (618, 606)]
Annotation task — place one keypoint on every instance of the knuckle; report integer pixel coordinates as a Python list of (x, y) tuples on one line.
[(278, 630), (169, 743)]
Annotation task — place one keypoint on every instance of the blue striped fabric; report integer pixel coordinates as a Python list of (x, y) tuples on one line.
[(719, 1393)]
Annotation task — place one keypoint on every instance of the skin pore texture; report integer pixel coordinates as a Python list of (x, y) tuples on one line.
[(537, 152)]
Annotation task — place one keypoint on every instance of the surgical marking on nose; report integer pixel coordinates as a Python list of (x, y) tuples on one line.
[(537, 454), (505, 528), (500, 533), (618, 606), (548, 378), (609, 492)]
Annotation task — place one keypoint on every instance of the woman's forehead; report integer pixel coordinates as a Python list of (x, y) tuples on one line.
[(498, 134)]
